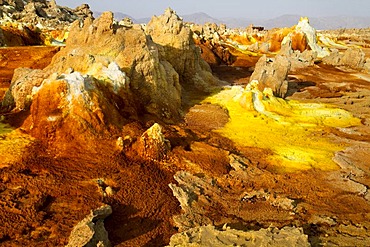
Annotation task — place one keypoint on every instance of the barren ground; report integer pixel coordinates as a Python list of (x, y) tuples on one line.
[(43, 194)]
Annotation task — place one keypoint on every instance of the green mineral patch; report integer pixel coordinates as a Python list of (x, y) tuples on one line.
[(295, 132), (12, 144)]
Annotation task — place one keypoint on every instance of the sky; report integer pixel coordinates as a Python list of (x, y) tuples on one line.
[(230, 8)]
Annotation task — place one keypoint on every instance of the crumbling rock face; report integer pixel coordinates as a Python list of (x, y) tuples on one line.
[(106, 76), (208, 38), (353, 58), (18, 97), (90, 231), (79, 109), (153, 80), (210, 236), (272, 73), (39, 22), (46, 13), (178, 48)]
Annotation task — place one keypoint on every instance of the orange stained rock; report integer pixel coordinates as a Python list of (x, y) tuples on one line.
[(299, 41), (277, 38)]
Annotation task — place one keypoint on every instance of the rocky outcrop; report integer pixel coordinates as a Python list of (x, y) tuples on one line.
[(79, 110), (209, 38), (152, 144), (37, 22), (311, 37), (18, 97), (96, 87), (178, 48), (272, 73), (41, 12), (152, 80), (91, 231), (210, 236), (353, 58)]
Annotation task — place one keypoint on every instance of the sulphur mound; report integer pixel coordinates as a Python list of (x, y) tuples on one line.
[(295, 132)]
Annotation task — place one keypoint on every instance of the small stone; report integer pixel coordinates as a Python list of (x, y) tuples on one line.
[(109, 191)]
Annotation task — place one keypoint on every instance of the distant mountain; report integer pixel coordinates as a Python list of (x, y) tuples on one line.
[(143, 20), (336, 22), (200, 18), (241, 22), (320, 23), (281, 21)]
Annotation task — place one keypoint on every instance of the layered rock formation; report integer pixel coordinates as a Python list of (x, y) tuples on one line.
[(96, 87)]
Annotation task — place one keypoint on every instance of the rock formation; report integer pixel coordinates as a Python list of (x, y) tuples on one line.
[(19, 94), (311, 37), (91, 231), (42, 12), (210, 236), (353, 58), (36, 22), (152, 144), (178, 48), (272, 73), (96, 87)]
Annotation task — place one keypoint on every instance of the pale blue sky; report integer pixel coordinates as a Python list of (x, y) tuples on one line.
[(230, 8)]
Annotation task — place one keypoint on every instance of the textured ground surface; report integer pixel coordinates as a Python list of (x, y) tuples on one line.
[(43, 194)]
